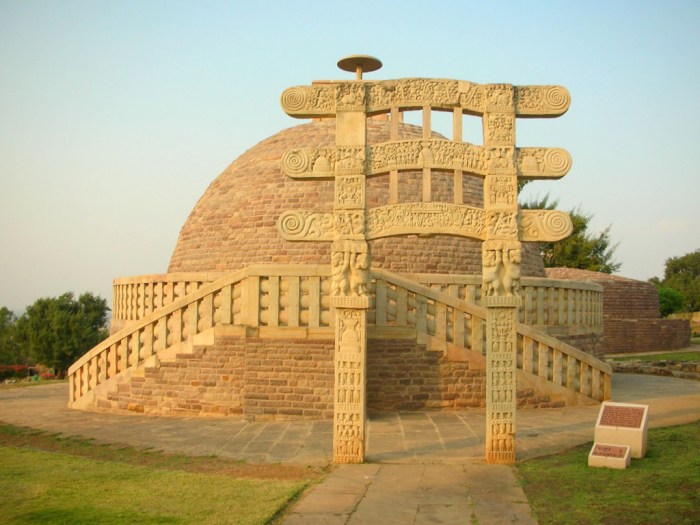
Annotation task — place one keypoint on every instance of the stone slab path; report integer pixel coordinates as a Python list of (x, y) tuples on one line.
[(423, 467)]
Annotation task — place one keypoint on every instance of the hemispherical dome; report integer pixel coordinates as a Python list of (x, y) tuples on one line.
[(234, 223)]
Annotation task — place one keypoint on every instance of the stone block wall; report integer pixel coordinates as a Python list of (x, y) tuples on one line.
[(631, 320), (591, 343), (288, 379), (233, 225), (645, 335), (205, 382), (265, 379), (404, 375)]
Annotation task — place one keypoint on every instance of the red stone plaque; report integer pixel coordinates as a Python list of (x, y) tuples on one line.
[(622, 416), (610, 451), (623, 424)]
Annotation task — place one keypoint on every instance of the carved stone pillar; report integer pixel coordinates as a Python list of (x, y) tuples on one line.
[(350, 260), (501, 315), (501, 257)]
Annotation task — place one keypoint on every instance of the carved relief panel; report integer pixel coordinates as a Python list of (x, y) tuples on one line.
[(501, 262), (350, 268)]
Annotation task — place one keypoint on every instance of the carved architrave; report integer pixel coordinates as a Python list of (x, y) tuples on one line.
[(350, 96), (325, 99), (300, 225), (425, 218), (499, 98), (310, 163), (412, 92), (545, 225), (309, 101), (404, 155), (541, 101), (436, 154), (542, 163)]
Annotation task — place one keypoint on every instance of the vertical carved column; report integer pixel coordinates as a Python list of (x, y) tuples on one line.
[(350, 258), (501, 257)]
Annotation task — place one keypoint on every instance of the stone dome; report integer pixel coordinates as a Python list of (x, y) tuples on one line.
[(233, 225)]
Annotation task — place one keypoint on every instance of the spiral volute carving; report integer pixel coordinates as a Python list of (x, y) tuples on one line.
[(557, 98), (557, 161), (293, 99), (296, 162)]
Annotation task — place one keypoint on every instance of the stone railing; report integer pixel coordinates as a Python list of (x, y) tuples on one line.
[(290, 300), (136, 297), (184, 318), (546, 302), (402, 302), (291, 296)]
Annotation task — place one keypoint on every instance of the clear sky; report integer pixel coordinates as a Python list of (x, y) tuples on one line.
[(116, 115)]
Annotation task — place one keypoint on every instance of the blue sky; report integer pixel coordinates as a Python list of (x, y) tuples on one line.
[(116, 115)]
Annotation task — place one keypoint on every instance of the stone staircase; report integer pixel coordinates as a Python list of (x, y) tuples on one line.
[(262, 305)]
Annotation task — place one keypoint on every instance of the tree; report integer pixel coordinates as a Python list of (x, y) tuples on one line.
[(9, 349), (582, 249), (682, 274), (670, 301), (57, 331)]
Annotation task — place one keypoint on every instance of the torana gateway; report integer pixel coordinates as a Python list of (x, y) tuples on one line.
[(360, 263)]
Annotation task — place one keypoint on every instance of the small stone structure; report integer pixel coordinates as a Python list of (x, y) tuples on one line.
[(631, 320), (393, 309)]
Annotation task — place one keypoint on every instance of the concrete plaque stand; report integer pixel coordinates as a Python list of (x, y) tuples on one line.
[(623, 424), (609, 456)]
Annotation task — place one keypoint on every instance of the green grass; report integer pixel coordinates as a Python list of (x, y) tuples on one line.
[(671, 356), (662, 488), (52, 479)]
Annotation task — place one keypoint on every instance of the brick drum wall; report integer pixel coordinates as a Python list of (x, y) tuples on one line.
[(645, 335), (631, 320), (265, 379), (233, 225), (206, 382), (590, 343), (288, 378)]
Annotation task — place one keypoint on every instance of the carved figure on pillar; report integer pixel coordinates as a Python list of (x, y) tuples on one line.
[(350, 268)]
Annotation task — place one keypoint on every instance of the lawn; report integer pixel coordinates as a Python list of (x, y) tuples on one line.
[(662, 488), (51, 479)]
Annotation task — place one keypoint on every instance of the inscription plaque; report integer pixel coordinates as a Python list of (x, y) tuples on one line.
[(609, 456), (622, 416), (623, 424), (612, 451)]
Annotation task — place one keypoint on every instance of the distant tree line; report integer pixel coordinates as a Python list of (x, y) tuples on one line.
[(583, 249), (53, 332), (679, 290)]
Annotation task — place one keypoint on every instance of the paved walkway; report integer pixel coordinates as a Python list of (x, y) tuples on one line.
[(423, 467)]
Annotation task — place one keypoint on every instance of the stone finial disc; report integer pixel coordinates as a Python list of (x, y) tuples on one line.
[(365, 62)]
